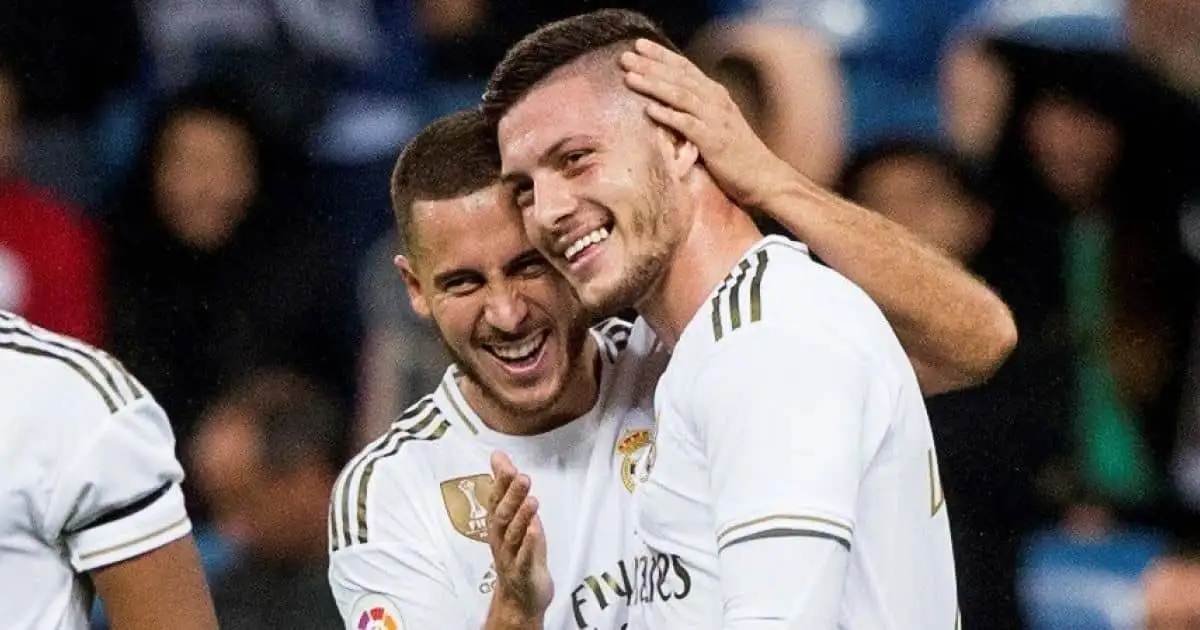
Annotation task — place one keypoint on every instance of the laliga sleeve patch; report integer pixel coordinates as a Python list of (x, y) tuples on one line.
[(374, 612)]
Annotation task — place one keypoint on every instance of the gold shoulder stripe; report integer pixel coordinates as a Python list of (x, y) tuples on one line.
[(100, 369), (369, 470), (108, 397), (756, 287), (33, 336), (731, 290), (734, 276), (458, 412), (408, 426)]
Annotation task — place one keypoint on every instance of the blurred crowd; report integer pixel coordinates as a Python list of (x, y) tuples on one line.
[(199, 187)]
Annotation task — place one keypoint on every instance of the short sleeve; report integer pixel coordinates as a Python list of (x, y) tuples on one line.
[(121, 496), (396, 572), (781, 420)]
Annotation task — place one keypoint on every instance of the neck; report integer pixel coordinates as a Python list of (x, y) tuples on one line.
[(578, 396), (719, 235)]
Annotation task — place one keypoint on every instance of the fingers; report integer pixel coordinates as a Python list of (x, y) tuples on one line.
[(533, 545), (519, 526), (667, 92), (502, 468), (658, 52), (685, 124), (509, 492), (654, 60)]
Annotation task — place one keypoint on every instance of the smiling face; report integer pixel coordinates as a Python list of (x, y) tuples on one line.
[(592, 177), (512, 324)]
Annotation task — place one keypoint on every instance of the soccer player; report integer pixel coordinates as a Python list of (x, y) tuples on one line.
[(426, 529), (89, 500), (793, 470)]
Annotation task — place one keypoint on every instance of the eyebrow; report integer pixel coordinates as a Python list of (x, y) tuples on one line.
[(509, 178)]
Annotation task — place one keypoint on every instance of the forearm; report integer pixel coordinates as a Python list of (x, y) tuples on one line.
[(956, 330), (504, 614)]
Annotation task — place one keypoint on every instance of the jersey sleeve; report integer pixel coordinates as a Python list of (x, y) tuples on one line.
[(780, 419), (120, 496), (395, 571)]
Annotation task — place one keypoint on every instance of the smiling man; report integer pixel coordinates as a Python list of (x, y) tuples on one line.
[(431, 529), (793, 471)]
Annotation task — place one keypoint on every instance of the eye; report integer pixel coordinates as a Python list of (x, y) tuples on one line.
[(573, 158), (533, 267), (460, 286)]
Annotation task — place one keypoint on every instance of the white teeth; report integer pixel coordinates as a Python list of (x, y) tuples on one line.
[(595, 236), (519, 351)]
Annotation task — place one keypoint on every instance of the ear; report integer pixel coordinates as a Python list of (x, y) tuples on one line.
[(412, 283), (682, 156)]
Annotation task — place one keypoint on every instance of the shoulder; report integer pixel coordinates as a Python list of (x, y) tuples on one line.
[(781, 289), (52, 378), (375, 478)]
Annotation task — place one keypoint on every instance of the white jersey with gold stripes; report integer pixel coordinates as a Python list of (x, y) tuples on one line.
[(89, 477), (408, 514), (794, 469)]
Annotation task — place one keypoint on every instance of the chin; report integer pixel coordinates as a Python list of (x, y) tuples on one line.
[(606, 298), (531, 403)]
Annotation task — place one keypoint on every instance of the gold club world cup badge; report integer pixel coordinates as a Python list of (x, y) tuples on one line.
[(633, 446), (466, 500)]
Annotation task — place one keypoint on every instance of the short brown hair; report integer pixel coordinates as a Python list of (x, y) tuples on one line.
[(454, 156), (557, 44)]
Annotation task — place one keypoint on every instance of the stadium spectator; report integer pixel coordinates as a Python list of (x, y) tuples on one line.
[(266, 454), (214, 269)]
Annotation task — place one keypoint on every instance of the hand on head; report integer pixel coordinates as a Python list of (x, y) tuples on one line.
[(702, 111)]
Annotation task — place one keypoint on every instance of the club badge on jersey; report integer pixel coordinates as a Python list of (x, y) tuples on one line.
[(466, 500), (633, 446)]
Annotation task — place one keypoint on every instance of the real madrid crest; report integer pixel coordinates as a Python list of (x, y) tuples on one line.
[(633, 446), (466, 500)]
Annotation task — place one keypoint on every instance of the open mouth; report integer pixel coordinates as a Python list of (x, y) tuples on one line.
[(583, 244), (520, 354)]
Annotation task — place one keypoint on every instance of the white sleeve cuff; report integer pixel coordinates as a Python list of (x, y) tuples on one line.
[(809, 524), (163, 521)]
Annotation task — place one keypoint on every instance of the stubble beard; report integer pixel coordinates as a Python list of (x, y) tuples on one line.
[(643, 269), (577, 332)]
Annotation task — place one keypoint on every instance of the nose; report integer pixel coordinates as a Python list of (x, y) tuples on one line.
[(506, 309), (553, 201)]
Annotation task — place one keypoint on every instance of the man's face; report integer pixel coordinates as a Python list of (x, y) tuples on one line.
[(510, 322), (593, 179), (205, 178), (246, 502)]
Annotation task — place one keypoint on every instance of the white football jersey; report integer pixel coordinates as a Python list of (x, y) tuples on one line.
[(408, 514), (790, 412), (90, 475)]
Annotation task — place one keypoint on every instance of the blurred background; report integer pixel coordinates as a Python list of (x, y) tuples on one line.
[(200, 187)]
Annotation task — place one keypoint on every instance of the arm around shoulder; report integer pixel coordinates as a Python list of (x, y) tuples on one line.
[(956, 330)]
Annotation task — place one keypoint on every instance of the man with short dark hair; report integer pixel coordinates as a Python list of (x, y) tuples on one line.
[(793, 470), (266, 453)]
